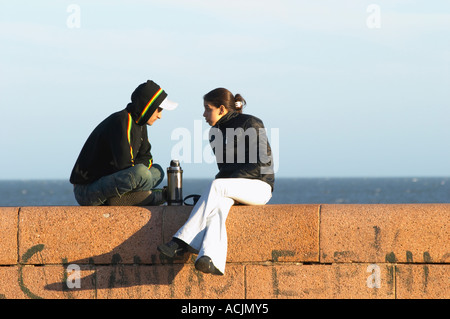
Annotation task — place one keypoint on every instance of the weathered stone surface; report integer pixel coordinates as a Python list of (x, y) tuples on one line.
[(9, 284), (273, 232), (169, 281), (342, 281), (385, 233), (174, 217), (8, 235), (293, 232), (50, 282), (86, 234), (427, 281), (366, 251)]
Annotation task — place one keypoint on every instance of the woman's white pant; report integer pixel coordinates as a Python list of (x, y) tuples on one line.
[(205, 229)]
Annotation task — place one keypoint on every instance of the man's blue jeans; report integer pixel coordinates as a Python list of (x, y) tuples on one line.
[(136, 178)]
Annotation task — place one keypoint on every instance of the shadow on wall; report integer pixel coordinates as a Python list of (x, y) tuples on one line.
[(118, 268)]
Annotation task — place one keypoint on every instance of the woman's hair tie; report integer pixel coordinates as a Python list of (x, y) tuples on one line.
[(238, 105)]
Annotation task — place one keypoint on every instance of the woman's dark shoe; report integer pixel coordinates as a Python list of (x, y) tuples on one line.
[(205, 264), (173, 248)]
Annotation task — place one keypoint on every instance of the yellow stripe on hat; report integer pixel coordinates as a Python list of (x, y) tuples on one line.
[(149, 104)]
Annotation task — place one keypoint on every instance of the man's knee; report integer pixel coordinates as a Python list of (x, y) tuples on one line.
[(152, 176), (157, 170), (157, 174), (142, 171)]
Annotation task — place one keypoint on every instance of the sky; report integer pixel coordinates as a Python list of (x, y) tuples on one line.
[(347, 88)]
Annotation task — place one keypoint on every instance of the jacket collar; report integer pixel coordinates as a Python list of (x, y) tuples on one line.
[(230, 115)]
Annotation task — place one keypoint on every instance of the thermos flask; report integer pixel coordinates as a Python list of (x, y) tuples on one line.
[(174, 184)]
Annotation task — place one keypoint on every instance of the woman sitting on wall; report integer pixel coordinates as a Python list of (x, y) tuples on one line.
[(245, 176)]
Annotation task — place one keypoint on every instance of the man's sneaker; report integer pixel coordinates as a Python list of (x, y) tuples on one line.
[(205, 264), (158, 197), (140, 198), (155, 197), (173, 248)]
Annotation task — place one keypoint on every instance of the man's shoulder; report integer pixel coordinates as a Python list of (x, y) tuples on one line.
[(116, 117), (120, 115), (113, 121)]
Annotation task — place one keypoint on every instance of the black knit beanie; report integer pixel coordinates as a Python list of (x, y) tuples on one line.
[(144, 101)]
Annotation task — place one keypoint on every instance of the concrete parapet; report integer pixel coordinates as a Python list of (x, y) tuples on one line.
[(274, 251)]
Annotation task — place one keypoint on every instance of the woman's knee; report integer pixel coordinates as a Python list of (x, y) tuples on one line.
[(219, 186)]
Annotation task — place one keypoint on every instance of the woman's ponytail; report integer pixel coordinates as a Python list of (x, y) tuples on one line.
[(239, 103), (221, 96)]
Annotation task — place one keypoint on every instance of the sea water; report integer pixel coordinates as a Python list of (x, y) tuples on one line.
[(286, 191)]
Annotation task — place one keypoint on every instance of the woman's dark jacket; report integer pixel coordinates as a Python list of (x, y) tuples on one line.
[(242, 150)]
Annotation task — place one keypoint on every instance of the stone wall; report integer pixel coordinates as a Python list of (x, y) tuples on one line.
[(274, 251)]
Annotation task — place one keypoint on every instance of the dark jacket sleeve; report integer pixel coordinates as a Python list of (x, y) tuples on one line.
[(119, 147)]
